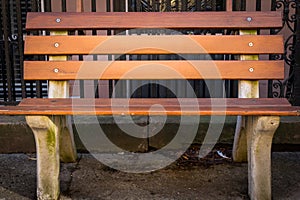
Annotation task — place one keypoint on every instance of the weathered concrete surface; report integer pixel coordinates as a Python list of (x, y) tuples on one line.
[(46, 132), (16, 136), (260, 131), (89, 179)]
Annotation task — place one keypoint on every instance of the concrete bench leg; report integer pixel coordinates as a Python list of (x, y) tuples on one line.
[(67, 145), (239, 151), (260, 131), (47, 131)]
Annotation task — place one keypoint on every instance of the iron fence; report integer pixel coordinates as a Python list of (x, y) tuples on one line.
[(13, 18), (290, 87), (12, 28)]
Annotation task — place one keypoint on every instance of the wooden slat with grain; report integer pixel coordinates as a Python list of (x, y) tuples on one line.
[(264, 102), (153, 70), (131, 20), (142, 107), (185, 44)]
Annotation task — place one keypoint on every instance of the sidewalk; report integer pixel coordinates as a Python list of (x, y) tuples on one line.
[(89, 179)]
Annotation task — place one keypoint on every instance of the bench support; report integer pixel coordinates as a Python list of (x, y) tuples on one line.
[(260, 131), (60, 89), (47, 133), (54, 139), (247, 89)]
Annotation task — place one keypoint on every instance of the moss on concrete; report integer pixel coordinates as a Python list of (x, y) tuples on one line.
[(51, 140)]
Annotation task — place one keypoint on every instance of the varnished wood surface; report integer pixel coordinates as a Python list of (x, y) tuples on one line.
[(121, 20), (280, 102), (171, 44), (276, 107), (84, 70)]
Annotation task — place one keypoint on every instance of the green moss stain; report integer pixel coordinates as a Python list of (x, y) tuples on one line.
[(51, 140)]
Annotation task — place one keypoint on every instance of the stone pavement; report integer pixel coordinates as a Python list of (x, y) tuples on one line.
[(89, 179)]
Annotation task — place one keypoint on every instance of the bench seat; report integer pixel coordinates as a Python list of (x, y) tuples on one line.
[(141, 106)]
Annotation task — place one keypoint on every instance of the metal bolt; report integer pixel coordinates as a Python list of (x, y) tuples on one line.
[(58, 20), (249, 19), (251, 69), (251, 44), (56, 70), (56, 44)]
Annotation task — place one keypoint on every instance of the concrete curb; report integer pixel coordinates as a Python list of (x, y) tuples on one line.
[(16, 136)]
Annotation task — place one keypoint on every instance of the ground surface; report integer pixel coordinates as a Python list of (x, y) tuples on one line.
[(89, 179)]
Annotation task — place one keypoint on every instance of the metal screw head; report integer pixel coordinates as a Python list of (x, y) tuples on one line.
[(251, 44), (56, 70), (249, 19), (251, 69), (56, 44), (58, 20)]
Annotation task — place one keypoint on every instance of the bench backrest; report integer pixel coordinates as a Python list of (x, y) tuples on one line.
[(239, 69)]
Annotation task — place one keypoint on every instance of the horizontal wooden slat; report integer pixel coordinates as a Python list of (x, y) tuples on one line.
[(268, 107), (84, 70), (121, 20), (100, 102), (172, 44)]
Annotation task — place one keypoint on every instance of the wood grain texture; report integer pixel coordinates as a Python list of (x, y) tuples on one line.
[(131, 20), (280, 102), (171, 44), (104, 70), (259, 107)]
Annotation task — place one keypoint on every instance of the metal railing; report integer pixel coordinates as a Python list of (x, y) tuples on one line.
[(12, 28)]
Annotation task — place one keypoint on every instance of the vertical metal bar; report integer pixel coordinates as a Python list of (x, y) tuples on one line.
[(184, 5), (138, 6), (93, 5), (94, 32), (272, 32), (243, 5), (2, 54), (198, 5), (20, 45), (131, 7), (38, 84), (63, 6), (205, 5), (176, 2), (297, 57), (168, 5), (228, 83), (81, 88), (127, 82), (110, 82), (48, 7), (6, 33), (81, 82), (258, 5), (30, 84), (223, 5), (108, 6), (34, 6)]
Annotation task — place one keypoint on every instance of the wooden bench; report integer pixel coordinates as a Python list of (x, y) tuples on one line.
[(258, 117)]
